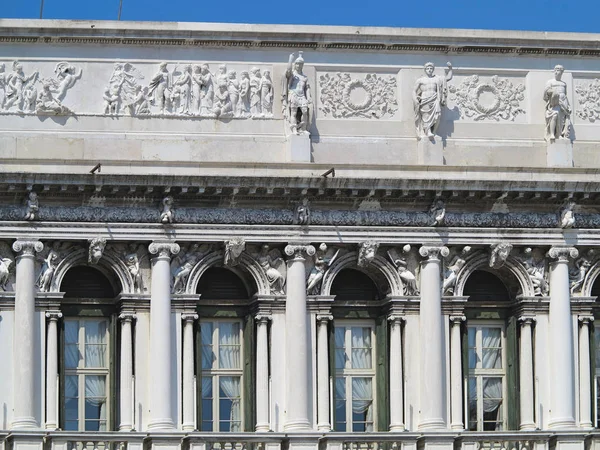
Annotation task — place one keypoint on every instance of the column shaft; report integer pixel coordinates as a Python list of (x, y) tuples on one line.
[(585, 382), (526, 397), (126, 375), (262, 374), (188, 400), (323, 420), (396, 375), (297, 362), (52, 370), (562, 375), (161, 358), (432, 341), (456, 380), (25, 347)]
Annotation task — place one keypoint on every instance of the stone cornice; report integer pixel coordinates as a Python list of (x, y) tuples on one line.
[(306, 36)]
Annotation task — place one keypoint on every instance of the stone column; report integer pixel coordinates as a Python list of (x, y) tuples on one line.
[(585, 382), (396, 374), (433, 378), (262, 373), (26, 377), (456, 376), (562, 361), (52, 370), (297, 349), (323, 420), (126, 374), (161, 359), (188, 393), (526, 396)]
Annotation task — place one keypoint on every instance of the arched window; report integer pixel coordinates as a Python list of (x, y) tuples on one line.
[(88, 347), (226, 334), (352, 284)]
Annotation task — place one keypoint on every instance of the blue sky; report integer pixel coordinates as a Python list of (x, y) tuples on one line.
[(540, 15)]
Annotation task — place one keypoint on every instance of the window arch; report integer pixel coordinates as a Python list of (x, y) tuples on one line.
[(485, 286), (87, 282), (219, 283), (352, 284)]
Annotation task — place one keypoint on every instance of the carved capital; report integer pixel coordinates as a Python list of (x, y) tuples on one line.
[(433, 253), (189, 317), (585, 319), (127, 317), (53, 315), (562, 254), (164, 249), (395, 319), (527, 320), (27, 248), (457, 319), (297, 251), (262, 318), (324, 318)]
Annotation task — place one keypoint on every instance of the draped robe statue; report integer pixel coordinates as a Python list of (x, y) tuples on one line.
[(430, 94)]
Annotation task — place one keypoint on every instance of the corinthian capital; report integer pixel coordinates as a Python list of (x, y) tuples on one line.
[(297, 251), (164, 249), (27, 248), (432, 253), (562, 254)]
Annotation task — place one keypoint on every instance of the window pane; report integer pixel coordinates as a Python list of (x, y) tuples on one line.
[(471, 339), (492, 401), (206, 333), (340, 404), (95, 343), (72, 356), (71, 425), (362, 403), (229, 404), (340, 352), (492, 359), (472, 400), (491, 337), (95, 402), (361, 348), (229, 346)]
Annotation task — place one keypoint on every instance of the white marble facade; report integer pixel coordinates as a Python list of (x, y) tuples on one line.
[(156, 155)]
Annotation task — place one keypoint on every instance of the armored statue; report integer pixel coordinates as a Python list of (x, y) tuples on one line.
[(296, 96)]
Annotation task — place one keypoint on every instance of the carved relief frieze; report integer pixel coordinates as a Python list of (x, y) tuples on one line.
[(497, 99), (588, 99), (189, 90), (371, 96), (22, 93)]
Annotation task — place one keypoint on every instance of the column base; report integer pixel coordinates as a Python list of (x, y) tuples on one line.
[(24, 423), (528, 426), (559, 153), (297, 425), (126, 427), (188, 427), (298, 147), (457, 427), (323, 427), (51, 427), (262, 427), (432, 424), (430, 151), (565, 423), (161, 425), (397, 427)]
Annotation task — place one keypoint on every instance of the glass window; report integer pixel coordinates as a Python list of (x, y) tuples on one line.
[(221, 376), (354, 377), (486, 377), (86, 374)]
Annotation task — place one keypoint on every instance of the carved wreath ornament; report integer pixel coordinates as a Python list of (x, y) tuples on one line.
[(589, 100), (371, 97), (496, 100)]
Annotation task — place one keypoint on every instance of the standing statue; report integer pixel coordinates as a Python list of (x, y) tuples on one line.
[(244, 102), (323, 260), (266, 94), (558, 110), (33, 206), (274, 267), (132, 261), (47, 272), (160, 88), (233, 87), (181, 90), (2, 85), (207, 91), (296, 97), (437, 212), (430, 94), (255, 103), (302, 216)]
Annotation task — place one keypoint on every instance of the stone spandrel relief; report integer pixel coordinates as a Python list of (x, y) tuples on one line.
[(498, 99), (588, 99), (369, 96), (22, 93), (189, 90)]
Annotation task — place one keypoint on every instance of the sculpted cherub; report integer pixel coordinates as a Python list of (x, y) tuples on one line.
[(324, 258)]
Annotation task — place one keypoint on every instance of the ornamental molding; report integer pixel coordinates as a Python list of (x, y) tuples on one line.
[(588, 99), (498, 99), (370, 97)]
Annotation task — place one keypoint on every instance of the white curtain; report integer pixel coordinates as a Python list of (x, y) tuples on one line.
[(95, 356), (361, 348), (492, 394), (231, 388), (71, 351), (206, 332), (492, 354), (362, 399), (340, 350), (229, 346)]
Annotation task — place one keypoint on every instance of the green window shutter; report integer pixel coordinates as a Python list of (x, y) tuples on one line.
[(112, 373), (464, 343), (593, 346), (198, 359), (249, 374), (512, 374), (382, 374), (61, 374)]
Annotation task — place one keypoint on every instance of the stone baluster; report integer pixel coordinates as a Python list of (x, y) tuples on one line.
[(25, 346), (52, 370), (585, 382), (526, 395), (562, 361), (297, 339), (161, 359), (323, 420), (262, 373), (188, 392), (433, 378), (396, 374), (126, 374), (456, 376)]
